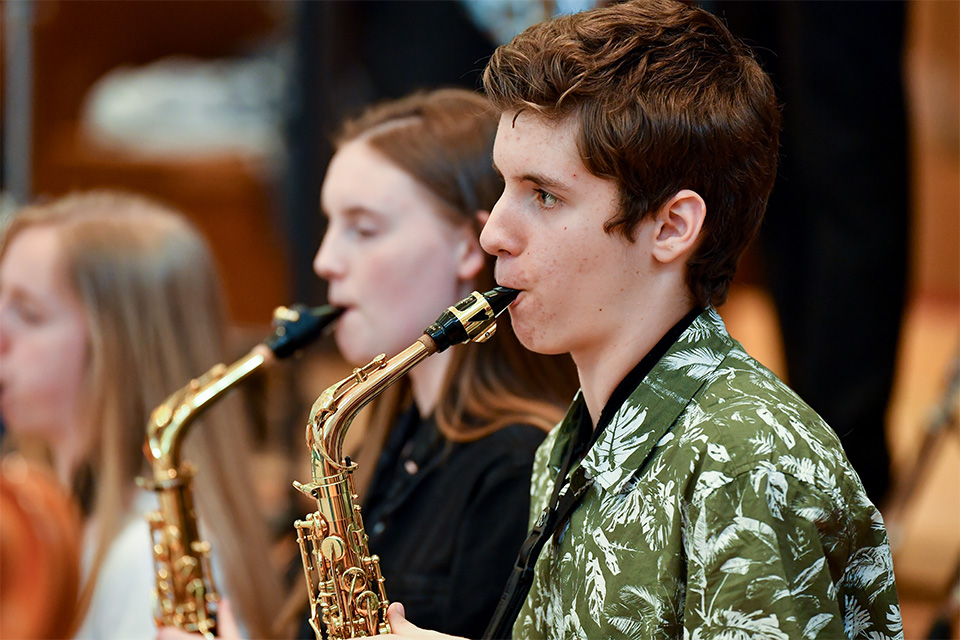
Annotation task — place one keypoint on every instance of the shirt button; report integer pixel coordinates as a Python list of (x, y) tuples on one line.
[(411, 467)]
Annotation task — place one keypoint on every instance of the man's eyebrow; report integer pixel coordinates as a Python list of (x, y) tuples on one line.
[(545, 181), (536, 178)]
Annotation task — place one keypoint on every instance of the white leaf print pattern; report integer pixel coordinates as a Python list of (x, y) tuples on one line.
[(807, 577), (782, 432), (609, 553), (776, 493), (871, 570), (657, 519), (762, 443), (698, 362), (718, 452), (815, 624), (728, 624), (710, 480), (855, 618), (717, 552), (893, 617), (637, 612), (596, 583), (803, 468), (740, 566)]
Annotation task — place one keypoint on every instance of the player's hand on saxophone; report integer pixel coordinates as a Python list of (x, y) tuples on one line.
[(227, 627), (403, 628)]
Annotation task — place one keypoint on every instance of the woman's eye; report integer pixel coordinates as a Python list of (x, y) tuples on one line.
[(546, 199), (27, 314), (366, 231), (363, 231)]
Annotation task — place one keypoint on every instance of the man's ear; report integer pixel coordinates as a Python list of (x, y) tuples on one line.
[(471, 257), (678, 226)]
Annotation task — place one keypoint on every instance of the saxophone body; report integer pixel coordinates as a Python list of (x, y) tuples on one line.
[(345, 586), (185, 595)]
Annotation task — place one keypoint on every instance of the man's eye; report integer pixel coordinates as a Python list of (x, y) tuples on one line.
[(546, 199)]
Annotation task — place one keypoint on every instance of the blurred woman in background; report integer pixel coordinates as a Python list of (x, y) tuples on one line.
[(109, 303), (451, 446)]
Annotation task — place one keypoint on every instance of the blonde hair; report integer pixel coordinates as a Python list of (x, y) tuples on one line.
[(154, 307)]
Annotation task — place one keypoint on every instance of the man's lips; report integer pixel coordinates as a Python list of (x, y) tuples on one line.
[(520, 295)]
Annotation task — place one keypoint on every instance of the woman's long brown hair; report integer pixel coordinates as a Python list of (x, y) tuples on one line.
[(444, 140), (154, 307)]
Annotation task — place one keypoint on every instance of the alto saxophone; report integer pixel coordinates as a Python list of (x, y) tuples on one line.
[(185, 595), (344, 583)]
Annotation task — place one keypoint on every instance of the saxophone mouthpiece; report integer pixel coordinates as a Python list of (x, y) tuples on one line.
[(298, 326), (473, 318), (499, 298)]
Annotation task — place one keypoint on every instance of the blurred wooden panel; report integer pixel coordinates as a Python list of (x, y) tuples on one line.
[(933, 84), (232, 201)]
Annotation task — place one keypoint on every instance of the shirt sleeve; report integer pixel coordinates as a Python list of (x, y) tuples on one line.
[(771, 556)]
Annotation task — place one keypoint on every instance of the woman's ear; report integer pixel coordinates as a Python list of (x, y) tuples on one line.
[(471, 257), (678, 226)]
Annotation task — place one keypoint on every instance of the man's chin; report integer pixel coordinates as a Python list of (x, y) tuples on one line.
[(534, 340)]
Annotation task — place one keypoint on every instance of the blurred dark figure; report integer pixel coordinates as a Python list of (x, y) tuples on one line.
[(351, 54), (834, 243)]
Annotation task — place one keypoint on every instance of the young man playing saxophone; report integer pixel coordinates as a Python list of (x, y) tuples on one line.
[(638, 146)]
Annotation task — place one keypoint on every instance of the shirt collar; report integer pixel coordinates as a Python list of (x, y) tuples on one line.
[(657, 400)]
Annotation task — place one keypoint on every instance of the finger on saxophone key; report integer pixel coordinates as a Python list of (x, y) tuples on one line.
[(403, 628)]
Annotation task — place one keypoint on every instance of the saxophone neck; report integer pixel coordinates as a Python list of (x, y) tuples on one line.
[(335, 409), (170, 421)]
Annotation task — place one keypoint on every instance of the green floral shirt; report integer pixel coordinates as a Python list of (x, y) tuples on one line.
[(722, 507)]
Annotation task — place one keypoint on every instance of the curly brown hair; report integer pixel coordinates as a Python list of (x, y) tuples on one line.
[(666, 99)]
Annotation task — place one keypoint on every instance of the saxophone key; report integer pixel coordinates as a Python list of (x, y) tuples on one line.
[(333, 548)]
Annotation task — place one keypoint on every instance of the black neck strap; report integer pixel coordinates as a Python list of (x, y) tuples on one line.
[(562, 503)]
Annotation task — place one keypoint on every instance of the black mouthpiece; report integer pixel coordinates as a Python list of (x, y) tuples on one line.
[(500, 298), (470, 317), (298, 326)]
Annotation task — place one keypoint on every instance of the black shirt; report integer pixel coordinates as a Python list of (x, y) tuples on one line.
[(447, 519)]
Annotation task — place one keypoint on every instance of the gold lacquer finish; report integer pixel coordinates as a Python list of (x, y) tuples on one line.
[(185, 595), (346, 589)]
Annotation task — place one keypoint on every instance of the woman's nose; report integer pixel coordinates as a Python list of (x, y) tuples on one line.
[(326, 264)]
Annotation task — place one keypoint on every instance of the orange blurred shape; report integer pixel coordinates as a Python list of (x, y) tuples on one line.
[(39, 552)]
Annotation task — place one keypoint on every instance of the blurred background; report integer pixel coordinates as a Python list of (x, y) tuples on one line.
[(223, 109)]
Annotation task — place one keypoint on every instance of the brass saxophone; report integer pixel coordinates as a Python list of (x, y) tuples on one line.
[(344, 583), (185, 595)]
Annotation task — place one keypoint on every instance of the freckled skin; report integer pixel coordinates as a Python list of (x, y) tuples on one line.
[(559, 255)]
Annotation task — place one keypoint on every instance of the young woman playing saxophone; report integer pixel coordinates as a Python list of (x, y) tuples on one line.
[(450, 446), (108, 302)]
